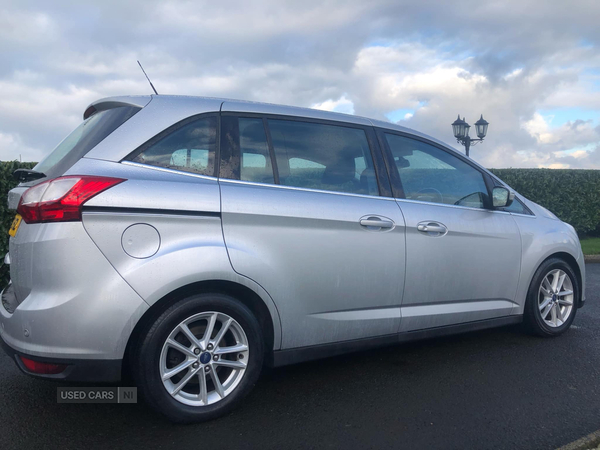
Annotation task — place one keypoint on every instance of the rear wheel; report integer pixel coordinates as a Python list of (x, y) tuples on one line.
[(200, 358), (552, 299)]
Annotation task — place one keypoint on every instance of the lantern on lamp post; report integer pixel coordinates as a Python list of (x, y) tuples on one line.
[(460, 128)]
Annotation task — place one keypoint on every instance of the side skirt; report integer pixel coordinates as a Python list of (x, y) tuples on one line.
[(302, 354)]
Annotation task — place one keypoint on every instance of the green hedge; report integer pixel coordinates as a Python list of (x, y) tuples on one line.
[(6, 217), (573, 195)]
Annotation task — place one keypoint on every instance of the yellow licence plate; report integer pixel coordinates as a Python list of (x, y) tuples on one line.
[(15, 225)]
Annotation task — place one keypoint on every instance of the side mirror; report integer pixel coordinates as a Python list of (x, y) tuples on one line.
[(502, 197)]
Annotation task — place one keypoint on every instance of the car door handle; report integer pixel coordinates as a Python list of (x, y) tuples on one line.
[(375, 222), (432, 228)]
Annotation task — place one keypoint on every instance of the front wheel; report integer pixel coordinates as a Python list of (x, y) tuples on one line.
[(552, 299), (200, 358)]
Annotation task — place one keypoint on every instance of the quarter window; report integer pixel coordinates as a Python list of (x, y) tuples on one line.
[(189, 147), (517, 207), (327, 157), (430, 174)]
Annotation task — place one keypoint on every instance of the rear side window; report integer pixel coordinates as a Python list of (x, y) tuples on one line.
[(245, 151), (188, 146), (319, 156), (85, 137)]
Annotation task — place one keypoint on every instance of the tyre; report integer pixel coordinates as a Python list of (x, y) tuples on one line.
[(552, 299), (200, 358)]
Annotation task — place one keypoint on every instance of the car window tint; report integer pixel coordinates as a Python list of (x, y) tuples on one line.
[(319, 156), (189, 147), (430, 174), (244, 150), (190, 157), (256, 161)]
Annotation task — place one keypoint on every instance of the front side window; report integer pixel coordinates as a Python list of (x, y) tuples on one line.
[(189, 146), (430, 174), (326, 157)]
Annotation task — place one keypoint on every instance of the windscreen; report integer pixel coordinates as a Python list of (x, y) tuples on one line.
[(85, 137)]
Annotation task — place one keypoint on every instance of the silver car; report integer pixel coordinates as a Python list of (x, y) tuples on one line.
[(188, 241)]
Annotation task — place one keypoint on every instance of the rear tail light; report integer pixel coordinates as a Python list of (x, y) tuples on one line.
[(42, 368), (61, 199)]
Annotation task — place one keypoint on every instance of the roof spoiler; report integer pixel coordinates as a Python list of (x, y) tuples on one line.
[(115, 102)]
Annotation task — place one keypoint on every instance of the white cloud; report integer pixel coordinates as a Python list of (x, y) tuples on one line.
[(538, 128), (513, 74), (342, 105), (580, 154)]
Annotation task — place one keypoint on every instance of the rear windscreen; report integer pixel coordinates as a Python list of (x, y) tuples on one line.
[(85, 137)]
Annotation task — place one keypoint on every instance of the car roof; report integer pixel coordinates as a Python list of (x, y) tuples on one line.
[(197, 105)]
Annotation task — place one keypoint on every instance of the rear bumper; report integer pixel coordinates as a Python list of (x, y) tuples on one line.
[(78, 370)]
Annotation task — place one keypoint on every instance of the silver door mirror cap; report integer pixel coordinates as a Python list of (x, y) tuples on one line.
[(502, 197)]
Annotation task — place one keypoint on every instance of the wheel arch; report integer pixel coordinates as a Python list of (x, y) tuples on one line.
[(243, 294)]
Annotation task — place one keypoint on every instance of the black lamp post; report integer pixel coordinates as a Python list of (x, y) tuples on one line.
[(460, 128)]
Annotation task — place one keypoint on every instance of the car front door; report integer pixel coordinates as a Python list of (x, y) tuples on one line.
[(463, 258), (304, 217)]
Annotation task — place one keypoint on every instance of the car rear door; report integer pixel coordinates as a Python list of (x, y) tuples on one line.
[(463, 258), (304, 216)]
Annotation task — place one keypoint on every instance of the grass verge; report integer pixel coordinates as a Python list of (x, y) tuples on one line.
[(590, 246)]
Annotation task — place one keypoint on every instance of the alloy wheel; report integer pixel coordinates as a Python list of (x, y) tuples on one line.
[(204, 358), (555, 298)]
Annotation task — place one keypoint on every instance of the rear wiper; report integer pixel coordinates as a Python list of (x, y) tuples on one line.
[(23, 175)]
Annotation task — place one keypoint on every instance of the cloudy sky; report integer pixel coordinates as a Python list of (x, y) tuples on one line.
[(532, 67)]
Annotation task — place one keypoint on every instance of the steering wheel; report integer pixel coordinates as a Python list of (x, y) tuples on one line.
[(432, 191)]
